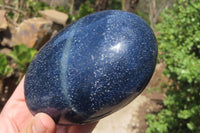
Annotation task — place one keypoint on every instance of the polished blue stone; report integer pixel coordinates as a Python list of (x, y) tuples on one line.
[(92, 68)]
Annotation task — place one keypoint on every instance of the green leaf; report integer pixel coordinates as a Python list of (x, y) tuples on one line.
[(5, 69), (184, 114), (190, 125), (84, 10), (22, 55)]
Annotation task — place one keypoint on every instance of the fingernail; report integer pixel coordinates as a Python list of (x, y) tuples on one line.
[(38, 126)]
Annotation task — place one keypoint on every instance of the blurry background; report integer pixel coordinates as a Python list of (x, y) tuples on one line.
[(171, 101)]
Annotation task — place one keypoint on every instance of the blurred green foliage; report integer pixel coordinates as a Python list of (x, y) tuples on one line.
[(115, 4), (112, 4), (88, 8), (5, 69), (93, 2), (22, 55), (62, 9), (35, 6), (84, 10), (179, 39)]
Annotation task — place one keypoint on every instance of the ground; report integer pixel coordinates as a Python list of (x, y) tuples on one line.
[(131, 119)]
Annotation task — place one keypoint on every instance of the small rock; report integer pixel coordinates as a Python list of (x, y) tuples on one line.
[(55, 16), (3, 22), (32, 32)]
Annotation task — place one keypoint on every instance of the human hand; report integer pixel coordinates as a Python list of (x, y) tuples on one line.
[(16, 118)]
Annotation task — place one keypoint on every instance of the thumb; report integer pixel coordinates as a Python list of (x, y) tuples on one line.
[(41, 123)]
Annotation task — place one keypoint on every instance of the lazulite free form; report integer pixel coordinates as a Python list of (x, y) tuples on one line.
[(92, 68)]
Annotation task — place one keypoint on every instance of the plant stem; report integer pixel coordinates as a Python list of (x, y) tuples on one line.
[(12, 8)]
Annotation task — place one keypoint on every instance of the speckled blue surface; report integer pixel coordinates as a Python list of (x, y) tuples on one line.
[(92, 68)]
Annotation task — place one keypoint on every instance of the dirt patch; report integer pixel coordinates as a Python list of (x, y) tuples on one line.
[(123, 121), (154, 95)]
